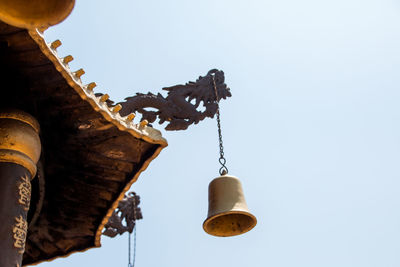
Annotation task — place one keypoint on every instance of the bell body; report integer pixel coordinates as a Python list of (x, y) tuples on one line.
[(228, 214), (31, 14)]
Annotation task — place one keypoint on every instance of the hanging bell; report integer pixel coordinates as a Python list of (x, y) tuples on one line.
[(228, 214)]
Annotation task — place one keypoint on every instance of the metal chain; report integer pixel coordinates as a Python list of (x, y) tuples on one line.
[(129, 250), (134, 246), (132, 264), (223, 170)]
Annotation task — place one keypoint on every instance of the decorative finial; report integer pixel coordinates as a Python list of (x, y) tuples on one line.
[(54, 45), (90, 86), (41, 30), (67, 59), (130, 117), (143, 123), (116, 108), (104, 98), (79, 73)]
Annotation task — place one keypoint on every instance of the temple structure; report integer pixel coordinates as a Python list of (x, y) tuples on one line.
[(69, 155), (66, 157)]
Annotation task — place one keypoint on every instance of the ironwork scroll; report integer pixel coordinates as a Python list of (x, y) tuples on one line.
[(178, 108), (124, 217)]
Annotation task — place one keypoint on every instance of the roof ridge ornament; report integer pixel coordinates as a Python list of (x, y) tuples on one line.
[(177, 108)]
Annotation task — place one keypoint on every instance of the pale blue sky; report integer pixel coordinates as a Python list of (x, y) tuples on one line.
[(312, 129)]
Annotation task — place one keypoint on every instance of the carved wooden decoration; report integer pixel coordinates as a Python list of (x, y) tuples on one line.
[(124, 217), (177, 108)]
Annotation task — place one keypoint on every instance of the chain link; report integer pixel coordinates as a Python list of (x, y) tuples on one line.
[(223, 170), (129, 250), (132, 264)]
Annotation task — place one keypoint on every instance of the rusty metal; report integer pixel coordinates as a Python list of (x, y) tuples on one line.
[(124, 217), (177, 108)]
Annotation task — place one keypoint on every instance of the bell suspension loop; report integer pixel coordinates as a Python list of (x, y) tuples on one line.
[(223, 170)]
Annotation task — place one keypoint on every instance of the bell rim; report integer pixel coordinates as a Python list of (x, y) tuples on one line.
[(230, 212)]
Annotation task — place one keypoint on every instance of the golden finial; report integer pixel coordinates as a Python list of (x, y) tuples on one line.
[(79, 73), (54, 45), (104, 98), (143, 123), (90, 86), (67, 59), (131, 117), (42, 29), (117, 108)]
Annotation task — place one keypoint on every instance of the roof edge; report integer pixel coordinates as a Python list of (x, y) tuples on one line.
[(140, 130)]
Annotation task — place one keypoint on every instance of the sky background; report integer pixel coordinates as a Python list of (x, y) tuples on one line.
[(312, 128)]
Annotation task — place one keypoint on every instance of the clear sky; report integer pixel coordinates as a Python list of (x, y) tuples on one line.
[(312, 129)]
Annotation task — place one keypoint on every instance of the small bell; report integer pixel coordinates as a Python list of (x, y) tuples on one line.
[(228, 214)]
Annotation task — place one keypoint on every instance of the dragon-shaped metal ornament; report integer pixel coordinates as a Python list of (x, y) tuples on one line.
[(177, 108), (124, 217)]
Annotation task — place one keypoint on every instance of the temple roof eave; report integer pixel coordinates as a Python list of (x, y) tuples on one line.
[(148, 134), (111, 127)]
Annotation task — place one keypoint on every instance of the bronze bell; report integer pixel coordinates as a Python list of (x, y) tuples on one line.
[(228, 214)]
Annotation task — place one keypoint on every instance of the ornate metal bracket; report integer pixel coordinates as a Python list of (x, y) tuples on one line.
[(124, 217), (177, 108)]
